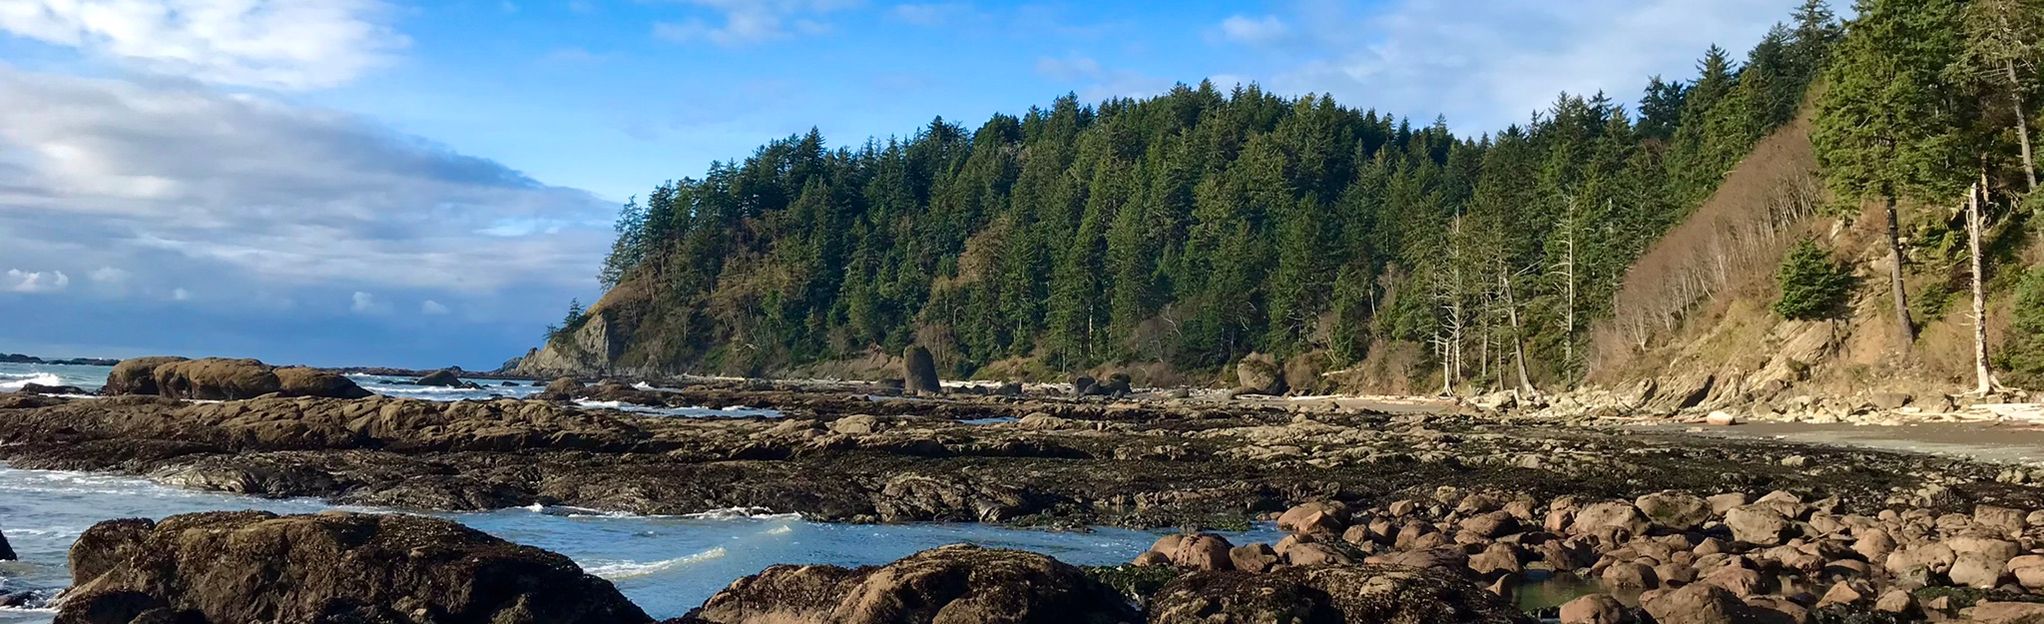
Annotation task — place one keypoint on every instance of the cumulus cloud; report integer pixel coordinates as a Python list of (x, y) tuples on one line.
[(741, 22), (180, 294), (1247, 29), (289, 44), (36, 281), (432, 308), (366, 303), (1488, 68)]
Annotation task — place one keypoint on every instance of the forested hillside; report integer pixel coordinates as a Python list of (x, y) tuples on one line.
[(1183, 231)]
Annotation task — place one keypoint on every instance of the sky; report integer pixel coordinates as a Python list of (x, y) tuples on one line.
[(426, 184)]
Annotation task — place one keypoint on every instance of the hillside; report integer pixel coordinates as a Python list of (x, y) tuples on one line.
[(1173, 236)]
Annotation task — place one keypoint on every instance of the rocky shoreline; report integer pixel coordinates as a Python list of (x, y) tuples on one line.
[(1491, 500)]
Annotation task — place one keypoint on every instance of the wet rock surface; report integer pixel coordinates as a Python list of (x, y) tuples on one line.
[(233, 567), (958, 583)]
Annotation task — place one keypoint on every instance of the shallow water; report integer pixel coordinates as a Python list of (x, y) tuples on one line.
[(666, 564), (89, 378)]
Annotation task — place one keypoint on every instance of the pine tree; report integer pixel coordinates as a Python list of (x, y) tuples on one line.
[(1883, 126), (1813, 285)]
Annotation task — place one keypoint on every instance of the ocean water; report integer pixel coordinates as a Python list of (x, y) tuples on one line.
[(666, 564), (13, 376)]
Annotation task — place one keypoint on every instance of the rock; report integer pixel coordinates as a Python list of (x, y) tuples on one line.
[(1152, 558), (1631, 576), (1115, 386), (1700, 603), (441, 379), (299, 381), (136, 375), (1496, 560), (2009, 522), (1314, 517), (1008, 389), (1252, 558), (1895, 601), (6, 550), (1203, 551), (1343, 593), (1980, 562), (216, 379), (561, 389), (1721, 418), (1082, 386), (2008, 613), (36, 388), (1920, 560), (1841, 594), (1259, 373), (329, 567), (1889, 401), (1722, 503), (957, 583), (1613, 514), (919, 372), (857, 424), (1741, 582), (1675, 510), (1874, 544), (1491, 525), (1593, 609), (1756, 524)]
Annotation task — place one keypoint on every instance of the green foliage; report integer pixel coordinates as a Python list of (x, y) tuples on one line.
[(1885, 123), (1814, 285), (2023, 356), (1189, 228)]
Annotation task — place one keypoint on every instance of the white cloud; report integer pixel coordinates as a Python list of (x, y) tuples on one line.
[(1490, 67), (36, 281), (1247, 29), (432, 308), (180, 294), (288, 44), (109, 275), (741, 22), (366, 303), (177, 179)]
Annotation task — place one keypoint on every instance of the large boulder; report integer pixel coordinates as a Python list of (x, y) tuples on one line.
[(1698, 603), (442, 378), (562, 389), (331, 567), (299, 381), (136, 375), (919, 373), (1329, 594), (1676, 510), (1259, 373), (216, 379), (958, 583)]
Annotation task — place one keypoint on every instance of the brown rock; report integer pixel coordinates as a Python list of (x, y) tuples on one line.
[(1700, 603), (1315, 517), (1609, 514), (919, 373), (1253, 557), (2008, 613), (329, 567), (1203, 551), (1348, 593), (1676, 510), (1631, 576), (136, 375), (1756, 524), (1594, 609), (957, 583)]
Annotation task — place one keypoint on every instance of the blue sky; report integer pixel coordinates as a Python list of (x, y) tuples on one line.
[(423, 184)]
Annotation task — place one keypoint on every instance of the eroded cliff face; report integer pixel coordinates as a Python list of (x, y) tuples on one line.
[(591, 349)]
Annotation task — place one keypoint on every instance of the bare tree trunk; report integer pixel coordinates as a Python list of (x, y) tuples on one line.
[(1983, 377), (1905, 329), (2022, 126), (1518, 342)]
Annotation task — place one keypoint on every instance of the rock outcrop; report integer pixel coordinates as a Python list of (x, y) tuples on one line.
[(442, 379), (958, 583), (6, 550), (919, 373), (224, 379), (1259, 373), (231, 567), (1332, 594)]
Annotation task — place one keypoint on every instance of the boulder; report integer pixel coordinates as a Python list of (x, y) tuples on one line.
[(330, 567), (1675, 510), (1613, 514), (442, 379), (1203, 551), (299, 381), (1329, 594), (2008, 613), (1252, 558), (1082, 386), (136, 375), (1315, 517), (1116, 386), (1756, 524), (216, 379), (957, 583), (919, 372), (36, 388), (1980, 562), (1259, 373), (561, 389), (1698, 603), (1593, 609), (6, 550)]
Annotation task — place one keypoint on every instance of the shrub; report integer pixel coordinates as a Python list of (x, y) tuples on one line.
[(1813, 284), (2023, 356)]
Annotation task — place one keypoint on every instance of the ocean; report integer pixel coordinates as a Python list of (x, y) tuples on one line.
[(667, 564)]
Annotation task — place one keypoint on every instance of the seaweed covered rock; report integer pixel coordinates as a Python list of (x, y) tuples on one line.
[(227, 567), (136, 375), (224, 379), (958, 583), (1335, 594), (919, 373)]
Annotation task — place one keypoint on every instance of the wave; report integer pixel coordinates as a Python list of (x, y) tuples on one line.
[(15, 381), (620, 570), (747, 513)]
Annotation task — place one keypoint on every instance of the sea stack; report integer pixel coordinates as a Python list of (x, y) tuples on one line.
[(919, 373)]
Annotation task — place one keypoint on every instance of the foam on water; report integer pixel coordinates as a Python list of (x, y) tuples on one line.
[(734, 411), (16, 381), (620, 570)]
